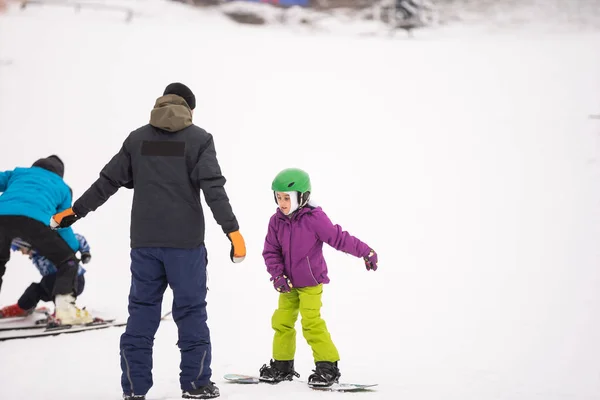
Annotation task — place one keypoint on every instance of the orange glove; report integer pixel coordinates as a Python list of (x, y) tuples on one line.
[(63, 219), (238, 247)]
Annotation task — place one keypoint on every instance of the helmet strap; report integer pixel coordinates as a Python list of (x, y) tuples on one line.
[(303, 198)]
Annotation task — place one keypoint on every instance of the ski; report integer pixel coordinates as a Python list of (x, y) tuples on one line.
[(57, 330), (31, 321), (44, 329), (39, 310), (38, 324)]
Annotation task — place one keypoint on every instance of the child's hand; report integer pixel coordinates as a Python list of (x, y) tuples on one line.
[(371, 261), (86, 257), (282, 284)]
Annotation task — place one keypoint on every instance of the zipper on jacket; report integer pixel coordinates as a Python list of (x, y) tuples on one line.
[(291, 244), (310, 270)]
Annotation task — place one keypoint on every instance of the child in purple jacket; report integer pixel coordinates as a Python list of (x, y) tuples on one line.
[(293, 253)]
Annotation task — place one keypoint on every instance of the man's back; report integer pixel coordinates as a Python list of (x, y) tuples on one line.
[(166, 209), (167, 163)]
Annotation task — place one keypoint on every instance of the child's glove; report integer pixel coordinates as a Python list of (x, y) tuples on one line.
[(19, 244), (64, 219), (282, 284), (85, 257), (238, 247), (371, 261)]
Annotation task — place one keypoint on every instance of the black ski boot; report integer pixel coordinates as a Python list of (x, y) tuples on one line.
[(278, 371), (209, 391), (325, 374), (134, 397)]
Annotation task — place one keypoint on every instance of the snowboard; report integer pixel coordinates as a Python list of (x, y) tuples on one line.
[(336, 387), (345, 387), (249, 379), (237, 378)]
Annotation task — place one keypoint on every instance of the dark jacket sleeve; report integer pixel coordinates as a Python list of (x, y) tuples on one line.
[(207, 176), (115, 174)]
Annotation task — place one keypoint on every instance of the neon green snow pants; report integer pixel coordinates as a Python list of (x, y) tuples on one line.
[(306, 301)]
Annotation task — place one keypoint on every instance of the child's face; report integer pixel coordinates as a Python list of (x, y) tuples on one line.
[(25, 250), (283, 201)]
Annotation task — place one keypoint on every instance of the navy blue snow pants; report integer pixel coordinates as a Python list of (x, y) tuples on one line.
[(184, 270)]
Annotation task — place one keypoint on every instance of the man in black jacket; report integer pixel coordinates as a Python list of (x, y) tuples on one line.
[(167, 163)]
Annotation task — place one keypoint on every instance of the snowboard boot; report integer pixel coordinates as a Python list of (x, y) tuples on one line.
[(326, 373), (134, 397), (14, 311), (278, 371), (209, 391), (69, 314)]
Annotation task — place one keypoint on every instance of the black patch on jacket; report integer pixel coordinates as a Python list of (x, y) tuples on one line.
[(163, 148)]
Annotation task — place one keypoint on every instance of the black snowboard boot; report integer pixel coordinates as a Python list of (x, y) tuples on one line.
[(278, 371), (134, 397), (209, 391), (325, 374)]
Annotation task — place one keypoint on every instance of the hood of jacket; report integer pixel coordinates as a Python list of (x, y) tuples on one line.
[(171, 113)]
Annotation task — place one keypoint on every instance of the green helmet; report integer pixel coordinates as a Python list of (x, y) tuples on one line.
[(291, 179)]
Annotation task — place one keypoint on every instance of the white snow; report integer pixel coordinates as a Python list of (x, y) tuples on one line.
[(465, 157)]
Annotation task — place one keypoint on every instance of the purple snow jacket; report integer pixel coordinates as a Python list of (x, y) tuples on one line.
[(294, 246)]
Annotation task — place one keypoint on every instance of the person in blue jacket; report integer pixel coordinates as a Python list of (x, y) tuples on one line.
[(42, 290), (30, 197)]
